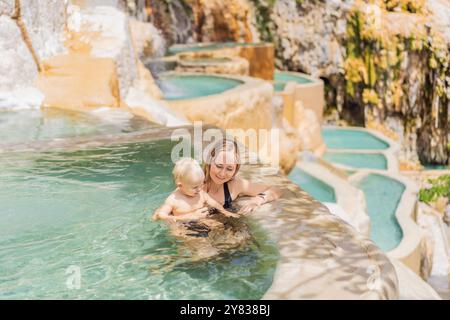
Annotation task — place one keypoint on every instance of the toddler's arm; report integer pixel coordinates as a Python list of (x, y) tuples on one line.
[(163, 212)]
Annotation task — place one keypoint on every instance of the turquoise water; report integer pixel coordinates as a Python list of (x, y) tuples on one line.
[(190, 86), (213, 46), (287, 76), (315, 187), (279, 85), (89, 209), (21, 126), (436, 167), (358, 160), (383, 195), (352, 139)]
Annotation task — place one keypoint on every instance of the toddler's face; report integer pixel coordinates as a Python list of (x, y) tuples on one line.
[(191, 187)]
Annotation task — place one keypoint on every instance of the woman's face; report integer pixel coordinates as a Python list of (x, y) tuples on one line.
[(223, 167)]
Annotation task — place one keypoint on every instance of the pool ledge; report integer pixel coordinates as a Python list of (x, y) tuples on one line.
[(393, 145), (349, 198), (310, 94), (230, 108), (391, 159), (409, 249), (321, 256)]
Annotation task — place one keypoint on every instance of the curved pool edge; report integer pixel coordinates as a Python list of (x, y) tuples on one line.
[(393, 145), (260, 55), (350, 198), (391, 160), (321, 256), (409, 249), (228, 109), (311, 95)]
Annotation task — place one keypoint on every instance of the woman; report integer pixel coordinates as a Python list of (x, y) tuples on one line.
[(224, 186), (216, 233)]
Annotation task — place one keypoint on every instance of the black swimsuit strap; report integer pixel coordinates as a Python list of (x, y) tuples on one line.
[(227, 196)]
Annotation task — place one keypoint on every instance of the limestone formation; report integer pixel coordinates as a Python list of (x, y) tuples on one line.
[(17, 67), (45, 27), (107, 32), (309, 129), (7, 8), (207, 64), (310, 38), (79, 81), (147, 40), (18, 70), (220, 21)]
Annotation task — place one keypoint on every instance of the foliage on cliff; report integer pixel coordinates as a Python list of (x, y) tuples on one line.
[(382, 49), (439, 187)]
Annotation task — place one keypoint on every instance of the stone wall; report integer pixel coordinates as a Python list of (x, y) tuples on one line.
[(409, 99), (78, 54), (29, 33)]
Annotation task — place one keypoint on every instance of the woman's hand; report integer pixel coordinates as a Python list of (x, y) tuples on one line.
[(230, 214), (250, 205), (201, 213)]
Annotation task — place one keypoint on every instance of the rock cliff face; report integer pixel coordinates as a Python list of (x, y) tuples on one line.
[(310, 36), (29, 33), (78, 54), (383, 68)]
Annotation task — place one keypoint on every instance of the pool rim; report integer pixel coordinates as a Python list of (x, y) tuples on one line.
[(408, 250), (391, 160), (240, 82), (169, 51), (313, 81), (246, 82), (343, 189), (393, 146)]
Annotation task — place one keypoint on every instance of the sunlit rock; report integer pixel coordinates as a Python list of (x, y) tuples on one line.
[(411, 286), (147, 40), (209, 64), (441, 11), (217, 20), (143, 104), (17, 67), (105, 29), (45, 22), (311, 38), (309, 130), (79, 81), (21, 98), (7, 7)]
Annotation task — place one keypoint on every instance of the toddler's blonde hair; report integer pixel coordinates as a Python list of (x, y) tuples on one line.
[(186, 169)]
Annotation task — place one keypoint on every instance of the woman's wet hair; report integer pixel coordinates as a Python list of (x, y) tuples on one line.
[(223, 145)]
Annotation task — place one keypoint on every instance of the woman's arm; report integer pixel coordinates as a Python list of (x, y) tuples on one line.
[(261, 193), (214, 204)]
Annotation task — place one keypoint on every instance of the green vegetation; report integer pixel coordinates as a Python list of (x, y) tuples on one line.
[(439, 187), (374, 66), (413, 6), (263, 19)]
